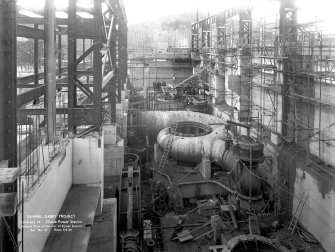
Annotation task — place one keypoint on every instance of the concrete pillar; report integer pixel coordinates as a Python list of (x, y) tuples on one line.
[(245, 35), (205, 168), (288, 32), (286, 45)]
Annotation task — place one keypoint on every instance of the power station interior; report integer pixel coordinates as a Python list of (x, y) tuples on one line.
[(212, 134)]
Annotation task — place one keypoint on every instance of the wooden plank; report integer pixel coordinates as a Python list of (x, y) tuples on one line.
[(9, 175), (81, 200), (8, 204), (185, 235)]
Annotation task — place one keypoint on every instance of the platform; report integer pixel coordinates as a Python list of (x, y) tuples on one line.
[(104, 232), (81, 201)]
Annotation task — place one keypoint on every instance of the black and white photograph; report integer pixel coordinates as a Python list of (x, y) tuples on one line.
[(167, 126)]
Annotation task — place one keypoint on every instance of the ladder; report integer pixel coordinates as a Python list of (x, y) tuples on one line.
[(297, 212), (167, 147)]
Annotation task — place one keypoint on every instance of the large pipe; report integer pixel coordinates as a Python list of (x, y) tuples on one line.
[(216, 147)]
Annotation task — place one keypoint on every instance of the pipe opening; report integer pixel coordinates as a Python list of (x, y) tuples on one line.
[(130, 159), (192, 129), (254, 246), (151, 243), (253, 243)]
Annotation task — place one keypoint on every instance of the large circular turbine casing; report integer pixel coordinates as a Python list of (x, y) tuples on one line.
[(213, 144), (193, 147)]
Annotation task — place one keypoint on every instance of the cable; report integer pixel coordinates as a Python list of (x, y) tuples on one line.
[(174, 184)]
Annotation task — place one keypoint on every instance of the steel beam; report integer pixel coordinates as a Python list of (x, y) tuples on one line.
[(59, 54), (29, 32), (72, 47), (97, 64), (30, 95), (29, 78), (8, 130), (51, 70), (112, 83), (79, 118), (85, 54), (39, 21), (89, 117), (32, 78)]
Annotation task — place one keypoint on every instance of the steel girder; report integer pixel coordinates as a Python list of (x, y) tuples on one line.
[(8, 131), (108, 74)]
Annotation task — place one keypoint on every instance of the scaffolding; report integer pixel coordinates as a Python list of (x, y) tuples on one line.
[(278, 77)]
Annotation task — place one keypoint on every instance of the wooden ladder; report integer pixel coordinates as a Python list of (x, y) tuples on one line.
[(167, 147), (297, 212)]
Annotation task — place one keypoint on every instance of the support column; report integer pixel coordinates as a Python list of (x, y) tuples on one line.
[(36, 62), (59, 54), (72, 47), (8, 131), (97, 64), (51, 70), (221, 52), (287, 40), (288, 35), (112, 83), (117, 59), (245, 34)]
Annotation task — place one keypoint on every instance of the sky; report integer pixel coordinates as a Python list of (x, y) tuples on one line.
[(139, 11), (143, 10)]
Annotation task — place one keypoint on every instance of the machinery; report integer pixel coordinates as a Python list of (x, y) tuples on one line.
[(239, 157), (130, 204)]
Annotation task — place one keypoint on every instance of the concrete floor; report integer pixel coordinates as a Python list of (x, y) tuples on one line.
[(104, 235)]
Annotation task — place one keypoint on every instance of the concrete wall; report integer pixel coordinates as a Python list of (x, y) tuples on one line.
[(319, 211), (88, 160), (113, 151), (48, 197), (113, 159), (88, 163), (324, 119)]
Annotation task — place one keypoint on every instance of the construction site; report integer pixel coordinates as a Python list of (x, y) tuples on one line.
[(217, 135)]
